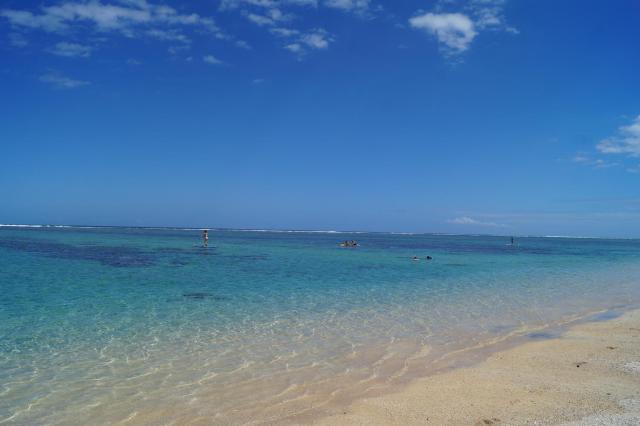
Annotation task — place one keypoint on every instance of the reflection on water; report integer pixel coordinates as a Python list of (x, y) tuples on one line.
[(115, 324)]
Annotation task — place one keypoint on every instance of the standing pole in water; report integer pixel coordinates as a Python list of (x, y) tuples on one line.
[(512, 241), (205, 238)]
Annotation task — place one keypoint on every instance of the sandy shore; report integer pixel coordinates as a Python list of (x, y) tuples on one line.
[(588, 376)]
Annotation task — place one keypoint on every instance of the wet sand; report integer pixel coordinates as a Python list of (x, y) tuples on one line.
[(590, 375)]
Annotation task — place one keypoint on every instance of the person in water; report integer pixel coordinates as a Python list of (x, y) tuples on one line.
[(205, 238)]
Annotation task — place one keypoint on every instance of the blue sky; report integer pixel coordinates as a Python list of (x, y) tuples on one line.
[(475, 116)]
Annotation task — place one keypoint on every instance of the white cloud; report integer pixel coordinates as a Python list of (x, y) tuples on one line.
[(270, 17), (61, 82), (125, 16), (235, 4), (274, 14), (455, 30), (284, 32), (319, 39), (580, 158), (129, 18), (602, 164), (487, 13), (294, 47), (466, 220), (168, 35), (265, 8), (358, 6), (597, 163), (178, 49), (23, 18), (71, 50), (242, 44), (210, 59), (259, 19), (626, 142), (456, 23)]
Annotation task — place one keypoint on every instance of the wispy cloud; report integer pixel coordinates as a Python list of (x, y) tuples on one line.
[(300, 43), (276, 15), (71, 50), (626, 142), (61, 82), (317, 39), (489, 14), (284, 32), (466, 220), (269, 17), (596, 163), (124, 16), (360, 7), (168, 35), (242, 44), (17, 40), (260, 19), (294, 47), (212, 60), (354, 6), (129, 18), (234, 4)]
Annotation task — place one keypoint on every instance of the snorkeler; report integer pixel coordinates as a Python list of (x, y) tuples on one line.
[(205, 238)]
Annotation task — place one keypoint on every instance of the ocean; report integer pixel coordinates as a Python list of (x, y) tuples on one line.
[(145, 326)]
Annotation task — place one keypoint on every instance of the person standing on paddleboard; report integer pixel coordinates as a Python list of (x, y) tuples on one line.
[(205, 237)]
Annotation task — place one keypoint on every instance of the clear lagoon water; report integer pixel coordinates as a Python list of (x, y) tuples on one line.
[(144, 326)]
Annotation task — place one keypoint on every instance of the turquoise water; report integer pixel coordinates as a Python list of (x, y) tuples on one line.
[(126, 325)]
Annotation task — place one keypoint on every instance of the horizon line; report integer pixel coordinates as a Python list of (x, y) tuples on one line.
[(310, 231)]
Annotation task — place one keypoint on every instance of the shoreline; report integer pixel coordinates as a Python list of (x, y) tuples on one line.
[(525, 378), (586, 365), (589, 374)]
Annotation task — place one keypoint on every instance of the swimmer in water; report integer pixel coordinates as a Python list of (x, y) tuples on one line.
[(205, 237)]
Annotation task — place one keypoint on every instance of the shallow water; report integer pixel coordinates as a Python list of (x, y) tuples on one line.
[(118, 325)]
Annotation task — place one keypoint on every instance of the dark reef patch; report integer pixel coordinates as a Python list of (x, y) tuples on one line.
[(119, 257)]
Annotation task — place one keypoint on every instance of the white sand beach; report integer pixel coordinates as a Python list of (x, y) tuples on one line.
[(588, 376)]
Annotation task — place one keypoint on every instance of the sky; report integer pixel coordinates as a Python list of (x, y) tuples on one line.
[(455, 116)]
